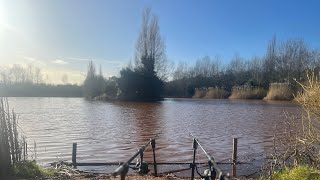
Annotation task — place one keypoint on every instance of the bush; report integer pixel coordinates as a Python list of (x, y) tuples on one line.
[(247, 92), (279, 91), (301, 136), (309, 98)]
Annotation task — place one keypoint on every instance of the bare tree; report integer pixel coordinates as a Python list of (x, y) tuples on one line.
[(181, 71), (64, 79), (271, 61), (17, 73), (150, 48), (37, 75)]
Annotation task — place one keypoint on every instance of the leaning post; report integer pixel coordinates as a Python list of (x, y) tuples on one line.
[(74, 155), (234, 157)]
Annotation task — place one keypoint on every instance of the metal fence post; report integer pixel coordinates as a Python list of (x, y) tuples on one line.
[(74, 155), (194, 146), (234, 157)]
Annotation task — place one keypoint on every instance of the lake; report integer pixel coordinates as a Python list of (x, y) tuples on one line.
[(113, 131)]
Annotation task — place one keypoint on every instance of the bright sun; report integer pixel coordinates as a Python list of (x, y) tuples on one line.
[(2, 15)]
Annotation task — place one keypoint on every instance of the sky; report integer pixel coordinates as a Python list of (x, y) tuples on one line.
[(62, 36)]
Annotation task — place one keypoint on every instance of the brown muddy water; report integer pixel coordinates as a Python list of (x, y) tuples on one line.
[(113, 131)]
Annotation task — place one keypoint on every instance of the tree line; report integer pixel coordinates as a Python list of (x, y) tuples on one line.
[(28, 81), (284, 62)]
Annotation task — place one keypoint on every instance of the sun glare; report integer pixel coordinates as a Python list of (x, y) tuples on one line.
[(2, 15)]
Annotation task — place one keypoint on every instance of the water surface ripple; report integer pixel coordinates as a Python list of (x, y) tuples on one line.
[(113, 131)]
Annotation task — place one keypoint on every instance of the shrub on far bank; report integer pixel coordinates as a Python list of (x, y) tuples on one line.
[(279, 91), (247, 92), (199, 92), (210, 93)]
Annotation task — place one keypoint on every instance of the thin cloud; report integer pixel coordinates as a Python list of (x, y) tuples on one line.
[(59, 61), (31, 60), (97, 60), (78, 59)]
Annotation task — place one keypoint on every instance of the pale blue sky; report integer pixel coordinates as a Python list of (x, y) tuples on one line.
[(62, 36)]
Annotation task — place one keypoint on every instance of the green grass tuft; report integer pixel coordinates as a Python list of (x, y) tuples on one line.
[(30, 169), (297, 173)]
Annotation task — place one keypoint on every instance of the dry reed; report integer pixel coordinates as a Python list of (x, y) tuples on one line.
[(10, 151)]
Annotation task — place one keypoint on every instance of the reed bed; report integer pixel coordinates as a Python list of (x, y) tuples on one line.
[(216, 93), (247, 92), (279, 91), (10, 151), (200, 93), (210, 93)]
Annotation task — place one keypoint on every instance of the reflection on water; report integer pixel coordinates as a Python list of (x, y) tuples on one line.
[(112, 132)]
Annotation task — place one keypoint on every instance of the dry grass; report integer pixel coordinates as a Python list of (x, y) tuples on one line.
[(247, 92), (279, 91)]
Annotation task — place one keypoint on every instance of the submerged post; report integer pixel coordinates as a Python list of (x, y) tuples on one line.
[(24, 149), (234, 157), (74, 155), (194, 146), (153, 144)]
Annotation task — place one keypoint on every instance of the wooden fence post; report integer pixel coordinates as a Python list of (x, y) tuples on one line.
[(153, 144), (74, 155), (234, 157)]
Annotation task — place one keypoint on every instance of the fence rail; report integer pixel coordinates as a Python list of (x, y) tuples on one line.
[(213, 172)]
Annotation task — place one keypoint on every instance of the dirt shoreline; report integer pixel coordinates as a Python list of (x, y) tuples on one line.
[(107, 176)]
